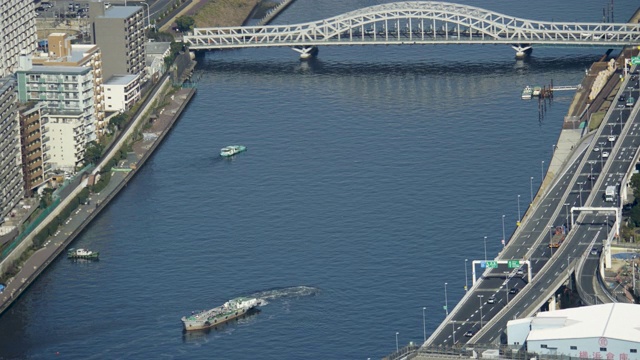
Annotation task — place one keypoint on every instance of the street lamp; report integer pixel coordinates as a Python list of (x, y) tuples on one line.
[(148, 14), (446, 302), (519, 209), (531, 183), (506, 288), (591, 174), (566, 214), (466, 280), (550, 242), (485, 248), (480, 297), (397, 348), (542, 171), (503, 234), (424, 324)]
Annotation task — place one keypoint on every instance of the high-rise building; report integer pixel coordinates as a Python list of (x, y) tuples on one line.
[(11, 181), (119, 32), (18, 35)]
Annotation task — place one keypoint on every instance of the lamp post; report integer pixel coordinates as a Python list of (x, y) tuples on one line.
[(480, 297), (550, 242), (506, 288), (466, 280), (581, 193), (485, 248), (424, 324), (519, 218), (591, 173), (446, 302), (148, 14), (503, 234), (542, 171), (397, 348), (531, 184)]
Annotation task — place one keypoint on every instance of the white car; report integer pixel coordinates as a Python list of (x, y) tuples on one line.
[(611, 138), (605, 154), (596, 149)]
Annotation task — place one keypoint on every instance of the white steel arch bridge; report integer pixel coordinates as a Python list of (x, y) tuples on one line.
[(417, 23)]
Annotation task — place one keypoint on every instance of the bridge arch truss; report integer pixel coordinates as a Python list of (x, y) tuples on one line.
[(417, 22)]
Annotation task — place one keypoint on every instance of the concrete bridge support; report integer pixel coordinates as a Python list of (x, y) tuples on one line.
[(522, 50), (306, 52)]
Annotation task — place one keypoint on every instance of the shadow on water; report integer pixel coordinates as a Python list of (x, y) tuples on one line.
[(318, 66)]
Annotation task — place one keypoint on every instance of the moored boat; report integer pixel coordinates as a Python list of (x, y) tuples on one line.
[(232, 150), (527, 92), (82, 254), (537, 90), (230, 310)]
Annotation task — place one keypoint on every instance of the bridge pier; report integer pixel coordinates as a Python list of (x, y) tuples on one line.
[(522, 51), (306, 52)]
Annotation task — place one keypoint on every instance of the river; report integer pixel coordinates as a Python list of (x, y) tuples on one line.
[(371, 175)]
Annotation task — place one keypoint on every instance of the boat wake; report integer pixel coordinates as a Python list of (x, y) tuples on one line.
[(287, 292)]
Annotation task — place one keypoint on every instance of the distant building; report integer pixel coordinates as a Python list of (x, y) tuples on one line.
[(609, 331), (18, 24), (119, 32), (121, 92), (11, 180)]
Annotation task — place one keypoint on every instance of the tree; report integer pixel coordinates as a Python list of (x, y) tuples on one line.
[(117, 122), (185, 23), (93, 152), (635, 185)]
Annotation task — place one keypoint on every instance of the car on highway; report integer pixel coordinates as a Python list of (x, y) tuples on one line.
[(514, 290), (605, 154), (469, 333), (596, 149), (611, 138), (622, 98), (491, 300), (594, 251), (520, 272)]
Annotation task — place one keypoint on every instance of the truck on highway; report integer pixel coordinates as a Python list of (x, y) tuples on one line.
[(610, 193), (558, 237)]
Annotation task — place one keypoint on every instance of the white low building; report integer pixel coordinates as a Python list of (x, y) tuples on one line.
[(609, 331), (121, 92)]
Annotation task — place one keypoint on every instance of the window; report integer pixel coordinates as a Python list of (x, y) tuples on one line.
[(543, 346), (634, 350), (574, 348), (603, 349)]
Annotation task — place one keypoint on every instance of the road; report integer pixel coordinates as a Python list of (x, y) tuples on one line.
[(572, 188)]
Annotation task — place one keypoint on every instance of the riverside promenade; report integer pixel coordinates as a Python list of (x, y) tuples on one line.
[(153, 134)]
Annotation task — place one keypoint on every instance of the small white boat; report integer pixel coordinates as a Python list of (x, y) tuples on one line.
[(232, 150)]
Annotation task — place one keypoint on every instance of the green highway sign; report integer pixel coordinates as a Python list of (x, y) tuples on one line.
[(513, 264), (492, 264), (635, 60)]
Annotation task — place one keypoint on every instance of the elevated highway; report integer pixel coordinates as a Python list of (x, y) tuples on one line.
[(601, 161), (417, 23)]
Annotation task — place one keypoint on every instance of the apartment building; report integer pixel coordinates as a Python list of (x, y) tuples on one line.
[(68, 115), (121, 92), (32, 152), (18, 24), (119, 32), (63, 53), (11, 181)]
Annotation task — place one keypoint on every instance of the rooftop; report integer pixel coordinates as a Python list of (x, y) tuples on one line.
[(152, 48), (614, 321), (41, 69), (121, 79), (120, 12)]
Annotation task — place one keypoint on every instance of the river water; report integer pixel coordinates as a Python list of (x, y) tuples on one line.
[(371, 174)]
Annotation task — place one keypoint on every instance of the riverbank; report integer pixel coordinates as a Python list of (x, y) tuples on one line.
[(175, 101)]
